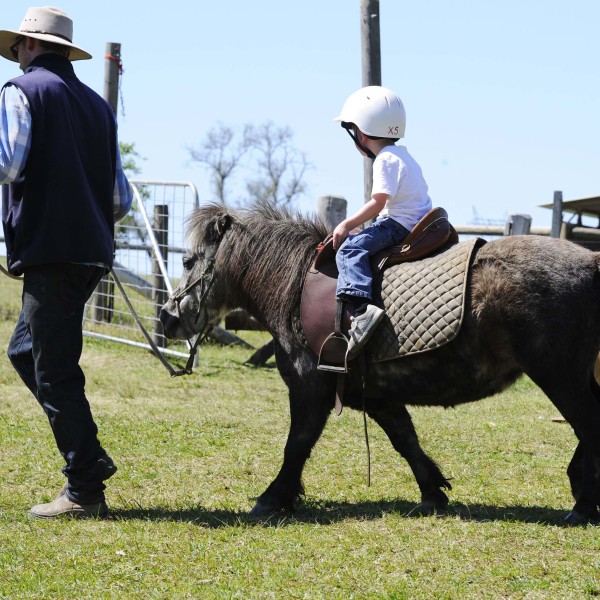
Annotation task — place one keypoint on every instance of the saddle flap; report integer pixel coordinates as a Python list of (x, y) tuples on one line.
[(318, 307)]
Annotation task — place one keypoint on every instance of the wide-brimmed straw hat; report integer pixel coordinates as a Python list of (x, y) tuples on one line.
[(44, 23)]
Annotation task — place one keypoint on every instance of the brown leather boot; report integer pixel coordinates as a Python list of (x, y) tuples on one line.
[(63, 507)]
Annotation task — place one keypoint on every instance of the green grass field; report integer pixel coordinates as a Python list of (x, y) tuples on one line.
[(194, 453)]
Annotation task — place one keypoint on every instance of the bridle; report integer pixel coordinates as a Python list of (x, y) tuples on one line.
[(206, 280), (209, 270)]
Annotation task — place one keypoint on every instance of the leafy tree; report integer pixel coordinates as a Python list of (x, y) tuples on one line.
[(128, 158), (131, 224), (266, 151)]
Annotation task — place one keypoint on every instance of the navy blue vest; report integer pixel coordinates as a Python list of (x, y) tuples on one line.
[(63, 210)]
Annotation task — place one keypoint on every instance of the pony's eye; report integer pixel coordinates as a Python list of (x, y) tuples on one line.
[(188, 262)]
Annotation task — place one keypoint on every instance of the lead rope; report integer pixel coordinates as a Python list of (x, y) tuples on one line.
[(187, 370), (8, 274)]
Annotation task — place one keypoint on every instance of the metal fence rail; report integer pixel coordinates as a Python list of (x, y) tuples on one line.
[(149, 247)]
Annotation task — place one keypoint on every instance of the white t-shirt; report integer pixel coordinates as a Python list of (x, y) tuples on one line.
[(397, 174)]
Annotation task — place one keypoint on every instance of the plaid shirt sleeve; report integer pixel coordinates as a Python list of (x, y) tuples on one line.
[(15, 133)]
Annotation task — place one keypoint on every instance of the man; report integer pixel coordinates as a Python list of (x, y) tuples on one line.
[(60, 158)]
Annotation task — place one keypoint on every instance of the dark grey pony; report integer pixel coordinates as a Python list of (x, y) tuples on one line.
[(533, 307)]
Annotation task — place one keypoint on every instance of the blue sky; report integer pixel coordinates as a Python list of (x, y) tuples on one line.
[(502, 98)]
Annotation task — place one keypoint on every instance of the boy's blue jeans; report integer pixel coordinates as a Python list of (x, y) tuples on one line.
[(352, 258), (45, 349)]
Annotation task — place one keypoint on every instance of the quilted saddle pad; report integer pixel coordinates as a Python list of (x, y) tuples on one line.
[(424, 303)]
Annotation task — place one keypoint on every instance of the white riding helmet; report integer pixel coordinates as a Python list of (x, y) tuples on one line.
[(376, 111)]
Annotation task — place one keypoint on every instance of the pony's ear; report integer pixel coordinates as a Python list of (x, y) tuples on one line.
[(220, 225)]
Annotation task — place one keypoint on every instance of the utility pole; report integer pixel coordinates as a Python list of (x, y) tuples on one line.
[(371, 67)]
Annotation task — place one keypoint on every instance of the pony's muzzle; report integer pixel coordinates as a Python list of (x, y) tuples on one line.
[(171, 324)]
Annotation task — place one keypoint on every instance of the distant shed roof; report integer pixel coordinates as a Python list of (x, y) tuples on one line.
[(584, 206)]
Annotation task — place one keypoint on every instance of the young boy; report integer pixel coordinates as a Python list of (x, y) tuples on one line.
[(374, 118)]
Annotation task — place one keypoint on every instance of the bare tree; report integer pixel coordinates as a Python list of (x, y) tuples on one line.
[(221, 155), (265, 150), (281, 167)]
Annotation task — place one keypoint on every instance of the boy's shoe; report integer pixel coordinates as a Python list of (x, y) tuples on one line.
[(109, 470), (63, 507), (362, 328)]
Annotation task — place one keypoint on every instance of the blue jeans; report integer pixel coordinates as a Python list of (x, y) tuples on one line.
[(353, 256), (45, 349)]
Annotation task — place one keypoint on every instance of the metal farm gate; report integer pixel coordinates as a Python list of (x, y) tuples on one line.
[(149, 247)]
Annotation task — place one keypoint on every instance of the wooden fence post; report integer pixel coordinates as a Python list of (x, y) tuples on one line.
[(103, 302), (331, 210), (161, 232), (557, 219), (112, 70), (518, 225)]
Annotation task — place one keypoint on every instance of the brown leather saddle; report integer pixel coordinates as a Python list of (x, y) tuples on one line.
[(325, 321)]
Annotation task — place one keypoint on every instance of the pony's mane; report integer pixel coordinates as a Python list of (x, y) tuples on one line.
[(267, 250)]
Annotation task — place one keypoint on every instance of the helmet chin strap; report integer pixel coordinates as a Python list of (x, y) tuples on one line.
[(348, 127)]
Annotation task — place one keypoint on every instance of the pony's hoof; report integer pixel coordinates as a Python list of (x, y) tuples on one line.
[(265, 510), (577, 519), (425, 509), (261, 510)]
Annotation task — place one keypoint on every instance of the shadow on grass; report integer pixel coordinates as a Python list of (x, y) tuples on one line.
[(327, 513)]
